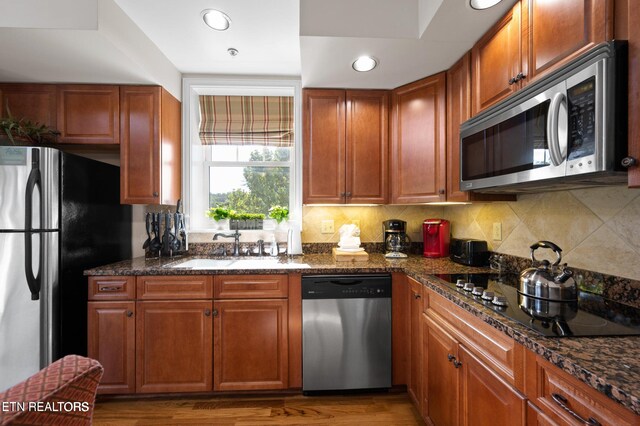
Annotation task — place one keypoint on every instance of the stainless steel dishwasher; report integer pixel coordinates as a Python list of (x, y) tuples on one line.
[(346, 328)]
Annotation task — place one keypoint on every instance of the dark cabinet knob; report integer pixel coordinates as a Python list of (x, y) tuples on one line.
[(512, 81), (520, 76), (129, 314), (628, 162), (441, 191), (348, 194), (456, 363), (207, 312), (416, 296), (450, 357), (215, 312), (155, 194)]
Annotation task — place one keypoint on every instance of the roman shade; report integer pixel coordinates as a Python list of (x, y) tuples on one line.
[(246, 120)]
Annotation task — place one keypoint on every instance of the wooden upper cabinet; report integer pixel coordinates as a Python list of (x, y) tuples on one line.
[(559, 31), (150, 165), (345, 146), (324, 146), (497, 61), (33, 102), (418, 127), (88, 114), (367, 146)]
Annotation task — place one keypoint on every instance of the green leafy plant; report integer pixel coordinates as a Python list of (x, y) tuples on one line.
[(279, 213), (25, 129), (219, 213), (246, 216)]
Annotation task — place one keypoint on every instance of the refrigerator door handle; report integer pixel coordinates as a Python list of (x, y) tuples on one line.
[(34, 180)]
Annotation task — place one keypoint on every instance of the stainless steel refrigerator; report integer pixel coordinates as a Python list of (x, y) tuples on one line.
[(59, 214)]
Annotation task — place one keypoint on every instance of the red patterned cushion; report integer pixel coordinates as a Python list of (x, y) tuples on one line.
[(63, 393)]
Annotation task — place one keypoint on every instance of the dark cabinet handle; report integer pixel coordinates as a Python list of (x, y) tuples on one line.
[(110, 288), (450, 357), (512, 81), (215, 312), (416, 296), (456, 363), (348, 194), (343, 194), (563, 403), (520, 76), (441, 191), (155, 194), (628, 162), (207, 312), (129, 314)]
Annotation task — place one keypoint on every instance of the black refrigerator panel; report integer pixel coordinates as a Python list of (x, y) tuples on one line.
[(95, 229)]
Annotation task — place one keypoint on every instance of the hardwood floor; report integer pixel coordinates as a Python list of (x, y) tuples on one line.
[(370, 409)]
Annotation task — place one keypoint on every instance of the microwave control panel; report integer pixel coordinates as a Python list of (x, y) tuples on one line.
[(582, 119)]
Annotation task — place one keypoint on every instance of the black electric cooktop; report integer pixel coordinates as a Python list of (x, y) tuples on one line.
[(591, 316)]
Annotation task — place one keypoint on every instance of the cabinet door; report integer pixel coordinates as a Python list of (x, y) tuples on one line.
[(535, 417), (418, 170), (367, 146), (111, 340), (458, 111), (414, 382), (485, 398), (174, 346), (441, 378), (323, 143), (88, 114), (497, 59), (140, 145), (33, 102), (250, 345), (582, 23)]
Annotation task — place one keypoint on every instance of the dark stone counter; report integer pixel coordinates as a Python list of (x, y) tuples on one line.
[(610, 365)]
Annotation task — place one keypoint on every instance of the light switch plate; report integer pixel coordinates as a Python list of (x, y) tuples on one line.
[(497, 231), (326, 227)]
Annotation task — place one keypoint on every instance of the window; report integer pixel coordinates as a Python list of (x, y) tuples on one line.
[(236, 171)]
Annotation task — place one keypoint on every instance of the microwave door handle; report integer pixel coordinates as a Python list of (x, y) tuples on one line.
[(553, 120)]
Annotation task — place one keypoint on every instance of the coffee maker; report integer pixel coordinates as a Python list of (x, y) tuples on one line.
[(436, 237), (396, 241)]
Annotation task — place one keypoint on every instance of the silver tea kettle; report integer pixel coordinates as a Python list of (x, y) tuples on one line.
[(548, 281)]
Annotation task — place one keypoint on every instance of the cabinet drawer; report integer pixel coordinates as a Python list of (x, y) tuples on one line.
[(174, 287), (251, 286), (503, 354), (112, 288), (565, 399)]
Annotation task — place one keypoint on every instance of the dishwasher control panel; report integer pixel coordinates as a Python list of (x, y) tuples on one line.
[(345, 286)]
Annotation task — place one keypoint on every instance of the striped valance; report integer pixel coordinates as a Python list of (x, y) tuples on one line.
[(246, 120)]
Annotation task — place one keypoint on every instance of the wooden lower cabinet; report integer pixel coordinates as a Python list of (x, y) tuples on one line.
[(111, 341), (250, 344), (414, 379), (174, 351), (485, 398), (441, 391)]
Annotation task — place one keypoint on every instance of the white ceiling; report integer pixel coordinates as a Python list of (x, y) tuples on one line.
[(158, 41)]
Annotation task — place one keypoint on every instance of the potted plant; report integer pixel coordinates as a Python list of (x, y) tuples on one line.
[(279, 214), (246, 220), (26, 131), (220, 215)]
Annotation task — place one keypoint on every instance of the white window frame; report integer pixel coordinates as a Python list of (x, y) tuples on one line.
[(192, 88)]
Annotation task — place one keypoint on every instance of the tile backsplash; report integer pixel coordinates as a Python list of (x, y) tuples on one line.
[(598, 229)]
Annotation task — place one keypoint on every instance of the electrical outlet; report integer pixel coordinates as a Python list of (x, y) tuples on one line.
[(356, 222), (326, 227), (497, 231)]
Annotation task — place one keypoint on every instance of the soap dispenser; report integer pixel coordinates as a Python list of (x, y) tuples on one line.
[(273, 251)]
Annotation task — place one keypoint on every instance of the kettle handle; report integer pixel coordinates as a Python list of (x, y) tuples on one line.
[(549, 245)]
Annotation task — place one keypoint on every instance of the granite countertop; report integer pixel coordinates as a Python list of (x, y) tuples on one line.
[(610, 365)]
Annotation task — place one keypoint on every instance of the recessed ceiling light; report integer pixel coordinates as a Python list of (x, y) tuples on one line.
[(364, 63), (483, 4), (232, 51), (215, 19)]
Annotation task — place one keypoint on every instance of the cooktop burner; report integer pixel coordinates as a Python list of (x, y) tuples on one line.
[(592, 315)]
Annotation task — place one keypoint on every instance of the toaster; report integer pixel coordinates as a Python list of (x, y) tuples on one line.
[(469, 252)]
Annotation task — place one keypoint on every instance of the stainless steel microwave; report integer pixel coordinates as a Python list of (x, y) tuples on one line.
[(564, 131)]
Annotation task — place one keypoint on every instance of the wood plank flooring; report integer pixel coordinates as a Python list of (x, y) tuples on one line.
[(370, 409)]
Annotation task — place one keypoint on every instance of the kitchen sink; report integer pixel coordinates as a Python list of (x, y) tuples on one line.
[(242, 263)]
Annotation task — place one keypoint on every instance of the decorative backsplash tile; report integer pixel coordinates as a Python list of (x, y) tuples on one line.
[(597, 228)]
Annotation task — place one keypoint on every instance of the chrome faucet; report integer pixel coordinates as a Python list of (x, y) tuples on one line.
[(236, 242)]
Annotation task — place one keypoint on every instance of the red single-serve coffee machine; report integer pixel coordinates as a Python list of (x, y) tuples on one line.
[(436, 237)]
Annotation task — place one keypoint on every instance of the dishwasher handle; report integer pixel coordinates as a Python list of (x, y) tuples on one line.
[(343, 282)]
